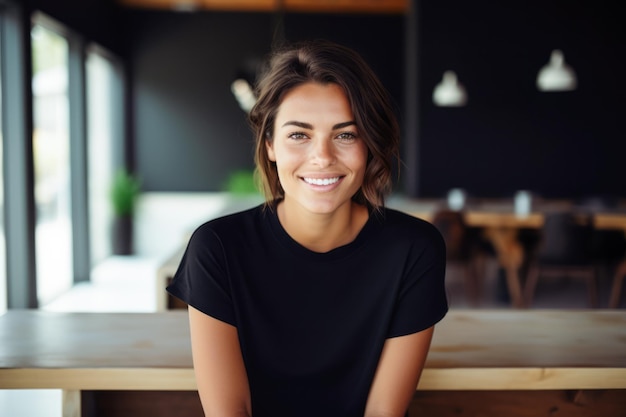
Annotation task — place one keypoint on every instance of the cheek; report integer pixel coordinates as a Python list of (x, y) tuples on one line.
[(283, 162), (359, 159), (287, 157)]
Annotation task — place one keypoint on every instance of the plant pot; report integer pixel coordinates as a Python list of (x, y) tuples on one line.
[(123, 235)]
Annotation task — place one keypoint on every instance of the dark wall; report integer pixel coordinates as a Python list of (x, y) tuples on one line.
[(511, 136), (188, 129), (189, 132)]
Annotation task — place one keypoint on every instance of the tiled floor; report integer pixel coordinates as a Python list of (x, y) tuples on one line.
[(127, 284)]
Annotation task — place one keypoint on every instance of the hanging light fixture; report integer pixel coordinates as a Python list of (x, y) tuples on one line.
[(243, 92), (449, 92), (556, 75), (242, 86)]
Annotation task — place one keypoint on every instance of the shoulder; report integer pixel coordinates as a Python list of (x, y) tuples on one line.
[(238, 219), (402, 233), (232, 226), (404, 225)]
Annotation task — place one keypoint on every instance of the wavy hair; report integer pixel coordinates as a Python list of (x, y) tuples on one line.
[(327, 62)]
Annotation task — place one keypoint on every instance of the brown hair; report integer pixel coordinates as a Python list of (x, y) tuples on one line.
[(326, 62)]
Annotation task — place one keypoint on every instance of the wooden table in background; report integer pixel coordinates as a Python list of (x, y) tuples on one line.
[(501, 229), (113, 364)]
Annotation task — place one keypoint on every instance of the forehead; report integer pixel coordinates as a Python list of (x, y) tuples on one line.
[(313, 99)]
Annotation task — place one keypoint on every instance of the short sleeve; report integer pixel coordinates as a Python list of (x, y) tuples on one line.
[(202, 276), (422, 300)]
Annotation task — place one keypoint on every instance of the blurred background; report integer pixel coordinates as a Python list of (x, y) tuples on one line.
[(120, 132), (138, 94)]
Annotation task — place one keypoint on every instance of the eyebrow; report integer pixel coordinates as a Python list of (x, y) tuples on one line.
[(310, 126)]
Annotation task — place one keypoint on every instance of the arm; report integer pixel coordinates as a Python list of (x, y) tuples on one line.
[(398, 373), (218, 364)]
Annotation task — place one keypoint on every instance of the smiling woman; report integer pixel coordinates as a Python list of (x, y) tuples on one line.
[(321, 301), (319, 155)]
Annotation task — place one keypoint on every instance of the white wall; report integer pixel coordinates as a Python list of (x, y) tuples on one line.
[(165, 220)]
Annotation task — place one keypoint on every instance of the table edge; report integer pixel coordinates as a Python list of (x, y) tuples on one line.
[(433, 379)]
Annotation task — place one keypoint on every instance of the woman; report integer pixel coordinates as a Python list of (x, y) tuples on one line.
[(320, 302)]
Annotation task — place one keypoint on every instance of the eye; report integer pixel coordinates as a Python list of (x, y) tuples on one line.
[(347, 136), (297, 135)]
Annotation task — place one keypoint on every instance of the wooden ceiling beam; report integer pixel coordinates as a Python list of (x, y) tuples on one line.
[(302, 6)]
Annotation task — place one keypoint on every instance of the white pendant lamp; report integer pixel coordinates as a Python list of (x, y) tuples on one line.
[(449, 92), (242, 90), (556, 75)]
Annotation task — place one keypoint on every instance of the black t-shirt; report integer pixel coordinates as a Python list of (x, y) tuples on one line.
[(312, 325)]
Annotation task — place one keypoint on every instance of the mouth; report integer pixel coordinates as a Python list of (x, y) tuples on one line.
[(321, 181)]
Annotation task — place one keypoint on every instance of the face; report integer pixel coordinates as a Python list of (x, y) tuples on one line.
[(319, 154)]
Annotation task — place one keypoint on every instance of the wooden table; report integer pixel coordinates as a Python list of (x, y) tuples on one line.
[(472, 350), (501, 225)]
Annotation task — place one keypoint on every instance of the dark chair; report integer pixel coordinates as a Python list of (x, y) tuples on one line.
[(564, 251), (461, 251), (616, 288)]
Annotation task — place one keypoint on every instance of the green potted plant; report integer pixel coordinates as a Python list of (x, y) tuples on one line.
[(242, 182), (124, 192)]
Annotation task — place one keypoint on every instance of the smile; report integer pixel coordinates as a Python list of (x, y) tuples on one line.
[(321, 181)]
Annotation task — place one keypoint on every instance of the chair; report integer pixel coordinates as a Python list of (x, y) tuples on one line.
[(564, 251), (461, 250), (616, 288)]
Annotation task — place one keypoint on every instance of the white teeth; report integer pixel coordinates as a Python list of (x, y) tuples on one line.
[(321, 181)]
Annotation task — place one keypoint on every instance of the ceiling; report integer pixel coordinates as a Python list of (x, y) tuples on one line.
[(304, 6)]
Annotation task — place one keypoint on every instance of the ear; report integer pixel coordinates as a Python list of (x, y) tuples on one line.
[(269, 146)]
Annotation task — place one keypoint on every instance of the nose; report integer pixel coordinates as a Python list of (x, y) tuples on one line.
[(323, 153)]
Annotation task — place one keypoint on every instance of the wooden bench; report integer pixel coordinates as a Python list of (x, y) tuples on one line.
[(487, 362)]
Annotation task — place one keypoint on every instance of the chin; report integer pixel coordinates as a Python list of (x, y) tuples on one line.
[(324, 207)]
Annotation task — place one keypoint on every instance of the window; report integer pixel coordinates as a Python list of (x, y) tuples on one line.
[(61, 162), (51, 160), (103, 97)]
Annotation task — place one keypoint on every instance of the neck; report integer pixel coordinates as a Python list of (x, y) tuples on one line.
[(323, 232)]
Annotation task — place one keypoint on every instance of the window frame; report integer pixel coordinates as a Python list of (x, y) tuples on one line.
[(18, 170), (16, 22)]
